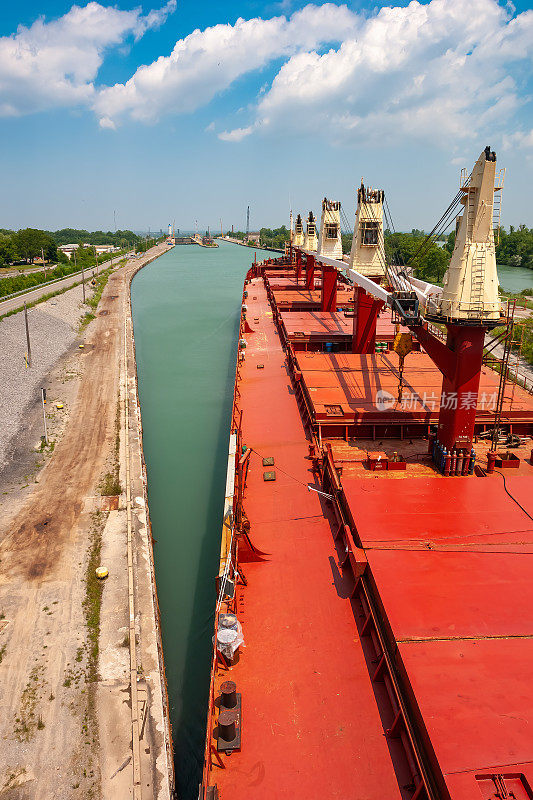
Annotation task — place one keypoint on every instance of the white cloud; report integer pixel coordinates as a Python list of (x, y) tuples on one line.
[(209, 61), (439, 72), (520, 139), (442, 71), (106, 122), (53, 64), (235, 135)]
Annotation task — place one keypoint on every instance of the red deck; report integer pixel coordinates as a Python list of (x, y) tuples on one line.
[(311, 727), (343, 388), (313, 330), (304, 300), (454, 582), (330, 326), (285, 284), (388, 633)]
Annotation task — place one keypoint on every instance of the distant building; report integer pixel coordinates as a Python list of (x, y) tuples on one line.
[(252, 237), (68, 249)]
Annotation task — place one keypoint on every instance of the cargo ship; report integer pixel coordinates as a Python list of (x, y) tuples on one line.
[(373, 627)]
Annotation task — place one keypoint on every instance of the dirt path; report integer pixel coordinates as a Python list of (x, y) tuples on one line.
[(51, 741)]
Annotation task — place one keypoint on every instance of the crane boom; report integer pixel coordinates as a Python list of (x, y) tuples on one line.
[(402, 282)]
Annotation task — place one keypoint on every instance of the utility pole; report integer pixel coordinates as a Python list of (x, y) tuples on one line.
[(44, 265), (247, 221), (27, 333), (82, 275), (43, 401)]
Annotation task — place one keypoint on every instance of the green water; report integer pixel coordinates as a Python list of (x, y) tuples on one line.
[(515, 279), (186, 308)]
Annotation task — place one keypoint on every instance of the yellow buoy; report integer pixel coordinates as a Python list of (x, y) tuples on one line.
[(59, 406), (101, 573)]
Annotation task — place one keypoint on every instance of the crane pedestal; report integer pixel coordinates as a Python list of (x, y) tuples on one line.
[(365, 321), (459, 360), (460, 386), (328, 298), (298, 266)]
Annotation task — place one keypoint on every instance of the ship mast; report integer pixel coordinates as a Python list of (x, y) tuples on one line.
[(367, 255), (311, 240), (330, 242)]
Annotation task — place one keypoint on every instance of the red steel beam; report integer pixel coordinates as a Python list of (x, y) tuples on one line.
[(364, 322), (298, 266), (328, 298)]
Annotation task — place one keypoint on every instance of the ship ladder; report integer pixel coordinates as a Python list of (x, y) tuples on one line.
[(496, 216), (470, 212), (477, 288), (497, 205)]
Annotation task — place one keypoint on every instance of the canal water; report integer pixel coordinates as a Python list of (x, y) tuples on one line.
[(515, 279), (186, 309)]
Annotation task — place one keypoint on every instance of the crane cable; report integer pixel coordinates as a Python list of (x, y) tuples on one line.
[(444, 222)]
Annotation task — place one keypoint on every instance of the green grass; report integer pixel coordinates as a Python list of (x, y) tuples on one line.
[(519, 296), (110, 485), (56, 293), (87, 317), (522, 334), (92, 302), (18, 283), (92, 601)]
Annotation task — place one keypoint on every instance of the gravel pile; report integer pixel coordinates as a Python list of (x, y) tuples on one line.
[(53, 328)]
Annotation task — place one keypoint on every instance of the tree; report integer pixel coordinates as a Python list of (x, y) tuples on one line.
[(7, 250), (276, 237), (450, 242), (28, 242), (429, 262), (515, 247)]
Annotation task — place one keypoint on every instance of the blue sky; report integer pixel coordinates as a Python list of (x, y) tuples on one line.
[(192, 111)]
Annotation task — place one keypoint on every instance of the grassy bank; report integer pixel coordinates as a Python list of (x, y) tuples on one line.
[(92, 302), (18, 283)]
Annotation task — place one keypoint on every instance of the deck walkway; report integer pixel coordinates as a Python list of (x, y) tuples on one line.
[(311, 726)]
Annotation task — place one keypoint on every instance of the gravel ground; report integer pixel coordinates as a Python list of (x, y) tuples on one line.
[(53, 329)]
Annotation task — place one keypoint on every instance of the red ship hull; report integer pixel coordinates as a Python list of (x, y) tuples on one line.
[(387, 616)]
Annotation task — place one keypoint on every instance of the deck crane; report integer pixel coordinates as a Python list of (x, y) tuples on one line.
[(467, 305)]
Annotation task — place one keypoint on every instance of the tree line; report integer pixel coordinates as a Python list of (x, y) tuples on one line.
[(27, 244), (85, 257)]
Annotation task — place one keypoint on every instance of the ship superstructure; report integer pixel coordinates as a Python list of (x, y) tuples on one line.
[(373, 634)]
